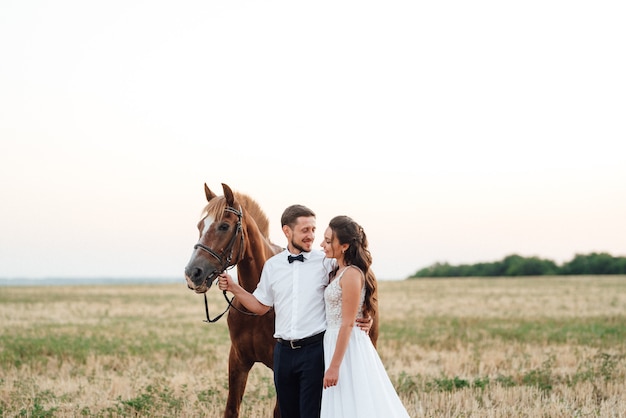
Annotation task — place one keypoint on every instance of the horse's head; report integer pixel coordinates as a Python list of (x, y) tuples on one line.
[(221, 240)]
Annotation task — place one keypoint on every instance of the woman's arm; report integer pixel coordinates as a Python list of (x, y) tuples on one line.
[(351, 283)]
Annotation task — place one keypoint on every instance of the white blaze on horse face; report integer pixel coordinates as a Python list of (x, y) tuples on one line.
[(206, 224)]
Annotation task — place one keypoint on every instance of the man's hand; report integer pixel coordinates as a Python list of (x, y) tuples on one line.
[(225, 281), (364, 323)]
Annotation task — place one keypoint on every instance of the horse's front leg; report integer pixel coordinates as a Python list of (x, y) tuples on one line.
[(238, 371)]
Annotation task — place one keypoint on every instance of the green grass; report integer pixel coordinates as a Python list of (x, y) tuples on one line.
[(445, 332)]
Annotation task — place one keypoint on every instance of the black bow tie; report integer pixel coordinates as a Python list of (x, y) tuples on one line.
[(293, 258)]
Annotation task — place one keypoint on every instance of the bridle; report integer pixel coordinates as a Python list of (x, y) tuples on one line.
[(230, 248), (224, 260)]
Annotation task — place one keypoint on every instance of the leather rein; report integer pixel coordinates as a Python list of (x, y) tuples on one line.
[(225, 264)]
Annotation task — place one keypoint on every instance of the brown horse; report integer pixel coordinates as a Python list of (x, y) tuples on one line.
[(235, 231)]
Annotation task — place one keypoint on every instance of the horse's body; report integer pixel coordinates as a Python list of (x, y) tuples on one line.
[(235, 231)]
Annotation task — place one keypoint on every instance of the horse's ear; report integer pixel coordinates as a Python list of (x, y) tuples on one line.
[(228, 194), (209, 194)]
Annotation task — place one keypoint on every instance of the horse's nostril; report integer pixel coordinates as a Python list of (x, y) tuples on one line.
[(197, 273), (194, 273)]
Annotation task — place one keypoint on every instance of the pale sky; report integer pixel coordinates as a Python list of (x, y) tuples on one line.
[(452, 131)]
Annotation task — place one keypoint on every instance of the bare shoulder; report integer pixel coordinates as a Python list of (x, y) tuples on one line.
[(354, 271), (353, 275)]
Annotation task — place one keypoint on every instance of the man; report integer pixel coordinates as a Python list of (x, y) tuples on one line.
[(293, 282)]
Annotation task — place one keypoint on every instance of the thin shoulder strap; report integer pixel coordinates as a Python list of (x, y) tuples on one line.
[(344, 270)]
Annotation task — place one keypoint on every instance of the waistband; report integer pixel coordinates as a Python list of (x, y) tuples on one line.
[(294, 344)]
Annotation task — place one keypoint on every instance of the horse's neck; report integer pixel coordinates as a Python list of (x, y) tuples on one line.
[(258, 249)]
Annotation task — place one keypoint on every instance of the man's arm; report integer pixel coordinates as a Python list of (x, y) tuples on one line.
[(247, 299)]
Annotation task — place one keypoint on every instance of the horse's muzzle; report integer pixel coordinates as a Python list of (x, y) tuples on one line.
[(201, 288), (197, 279)]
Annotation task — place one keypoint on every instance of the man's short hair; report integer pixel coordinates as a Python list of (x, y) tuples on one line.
[(292, 213)]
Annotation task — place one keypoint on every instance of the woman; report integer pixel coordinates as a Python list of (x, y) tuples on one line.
[(355, 382)]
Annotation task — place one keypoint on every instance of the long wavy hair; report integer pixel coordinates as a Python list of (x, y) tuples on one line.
[(349, 232)]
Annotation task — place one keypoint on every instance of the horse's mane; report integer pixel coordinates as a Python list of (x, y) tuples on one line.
[(215, 208)]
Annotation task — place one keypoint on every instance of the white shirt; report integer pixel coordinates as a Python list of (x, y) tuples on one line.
[(296, 291)]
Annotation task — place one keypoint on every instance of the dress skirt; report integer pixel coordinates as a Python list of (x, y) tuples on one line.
[(364, 389)]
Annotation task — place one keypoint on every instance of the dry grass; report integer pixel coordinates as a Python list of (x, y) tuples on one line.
[(534, 347)]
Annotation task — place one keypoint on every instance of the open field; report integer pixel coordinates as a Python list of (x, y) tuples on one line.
[(531, 347)]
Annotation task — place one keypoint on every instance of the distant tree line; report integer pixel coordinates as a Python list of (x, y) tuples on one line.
[(515, 265)]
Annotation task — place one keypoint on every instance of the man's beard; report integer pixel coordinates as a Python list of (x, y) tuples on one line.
[(298, 247)]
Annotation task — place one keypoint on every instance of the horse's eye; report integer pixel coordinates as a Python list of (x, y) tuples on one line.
[(223, 227)]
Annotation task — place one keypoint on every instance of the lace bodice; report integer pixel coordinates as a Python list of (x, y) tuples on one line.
[(332, 298)]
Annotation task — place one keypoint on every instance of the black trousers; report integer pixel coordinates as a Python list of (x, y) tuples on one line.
[(298, 377)]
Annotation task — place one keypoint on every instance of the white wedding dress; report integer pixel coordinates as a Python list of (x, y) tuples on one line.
[(364, 388)]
